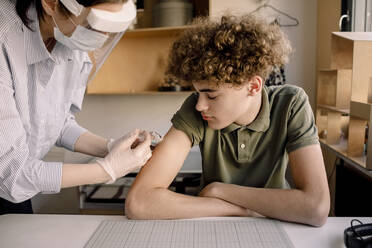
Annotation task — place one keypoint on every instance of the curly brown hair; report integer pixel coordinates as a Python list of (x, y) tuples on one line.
[(230, 50)]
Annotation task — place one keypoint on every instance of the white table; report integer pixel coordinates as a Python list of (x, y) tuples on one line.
[(68, 231)]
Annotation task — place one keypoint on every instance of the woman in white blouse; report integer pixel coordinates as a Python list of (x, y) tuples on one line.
[(48, 50)]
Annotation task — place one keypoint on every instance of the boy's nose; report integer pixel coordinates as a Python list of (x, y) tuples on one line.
[(201, 105)]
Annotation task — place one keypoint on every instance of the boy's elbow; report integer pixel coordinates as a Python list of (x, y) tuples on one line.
[(319, 217), (129, 213), (134, 206), (318, 212)]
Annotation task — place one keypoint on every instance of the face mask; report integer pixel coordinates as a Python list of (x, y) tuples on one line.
[(82, 39)]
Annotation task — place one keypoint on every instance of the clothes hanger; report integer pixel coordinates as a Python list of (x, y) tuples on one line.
[(277, 21)]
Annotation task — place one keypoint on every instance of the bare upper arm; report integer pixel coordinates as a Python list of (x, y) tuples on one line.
[(166, 161), (307, 168)]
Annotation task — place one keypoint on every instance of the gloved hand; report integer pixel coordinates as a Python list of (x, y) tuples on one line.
[(123, 157), (155, 139)]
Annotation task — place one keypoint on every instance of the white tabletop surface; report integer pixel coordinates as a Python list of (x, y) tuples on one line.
[(69, 231)]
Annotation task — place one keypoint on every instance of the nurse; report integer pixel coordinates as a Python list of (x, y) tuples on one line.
[(49, 50)]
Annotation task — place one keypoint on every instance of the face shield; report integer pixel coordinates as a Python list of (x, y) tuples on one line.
[(98, 30)]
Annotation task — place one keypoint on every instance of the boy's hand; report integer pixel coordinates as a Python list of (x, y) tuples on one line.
[(215, 190), (212, 190)]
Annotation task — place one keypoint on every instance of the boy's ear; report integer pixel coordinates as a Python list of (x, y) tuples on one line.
[(49, 6), (254, 86)]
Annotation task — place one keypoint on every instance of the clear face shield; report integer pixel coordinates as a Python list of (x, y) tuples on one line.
[(98, 30)]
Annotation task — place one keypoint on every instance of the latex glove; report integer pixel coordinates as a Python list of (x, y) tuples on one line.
[(124, 158), (155, 139), (113, 142)]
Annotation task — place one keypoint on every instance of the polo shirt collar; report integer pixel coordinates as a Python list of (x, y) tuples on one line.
[(262, 121), (36, 50)]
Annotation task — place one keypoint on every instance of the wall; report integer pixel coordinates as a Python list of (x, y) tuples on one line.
[(111, 116), (301, 69), (328, 13)]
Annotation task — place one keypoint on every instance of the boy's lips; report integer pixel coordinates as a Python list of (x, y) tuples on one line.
[(206, 117)]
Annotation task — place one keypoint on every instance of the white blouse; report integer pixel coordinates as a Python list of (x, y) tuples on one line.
[(39, 94)]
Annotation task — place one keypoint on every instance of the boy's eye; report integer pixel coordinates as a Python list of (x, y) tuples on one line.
[(208, 96)]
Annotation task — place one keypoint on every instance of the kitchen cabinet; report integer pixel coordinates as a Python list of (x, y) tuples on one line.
[(137, 64)]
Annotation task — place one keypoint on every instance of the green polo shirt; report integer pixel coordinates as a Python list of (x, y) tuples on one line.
[(255, 155)]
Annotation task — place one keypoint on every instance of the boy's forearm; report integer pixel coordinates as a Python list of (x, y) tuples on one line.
[(164, 204), (285, 204)]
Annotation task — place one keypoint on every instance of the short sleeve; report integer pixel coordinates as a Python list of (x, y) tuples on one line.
[(188, 120), (301, 129)]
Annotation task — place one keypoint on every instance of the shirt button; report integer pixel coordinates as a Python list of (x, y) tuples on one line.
[(242, 146)]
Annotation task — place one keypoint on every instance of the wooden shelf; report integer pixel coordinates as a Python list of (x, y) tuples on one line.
[(137, 64), (342, 52), (361, 110), (355, 36), (155, 32), (345, 88), (341, 148), (351, 50), (334, 88), (335, 109)]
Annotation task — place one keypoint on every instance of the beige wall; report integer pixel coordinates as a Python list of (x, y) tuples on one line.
[(112, 116), (301, 69), (329, 13)]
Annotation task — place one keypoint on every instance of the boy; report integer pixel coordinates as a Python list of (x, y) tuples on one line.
[(247, 132)]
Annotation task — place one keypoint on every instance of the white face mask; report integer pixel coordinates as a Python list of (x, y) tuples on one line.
[(82, 39)]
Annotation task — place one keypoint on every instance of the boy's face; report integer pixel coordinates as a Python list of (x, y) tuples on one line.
[(223, 105)]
